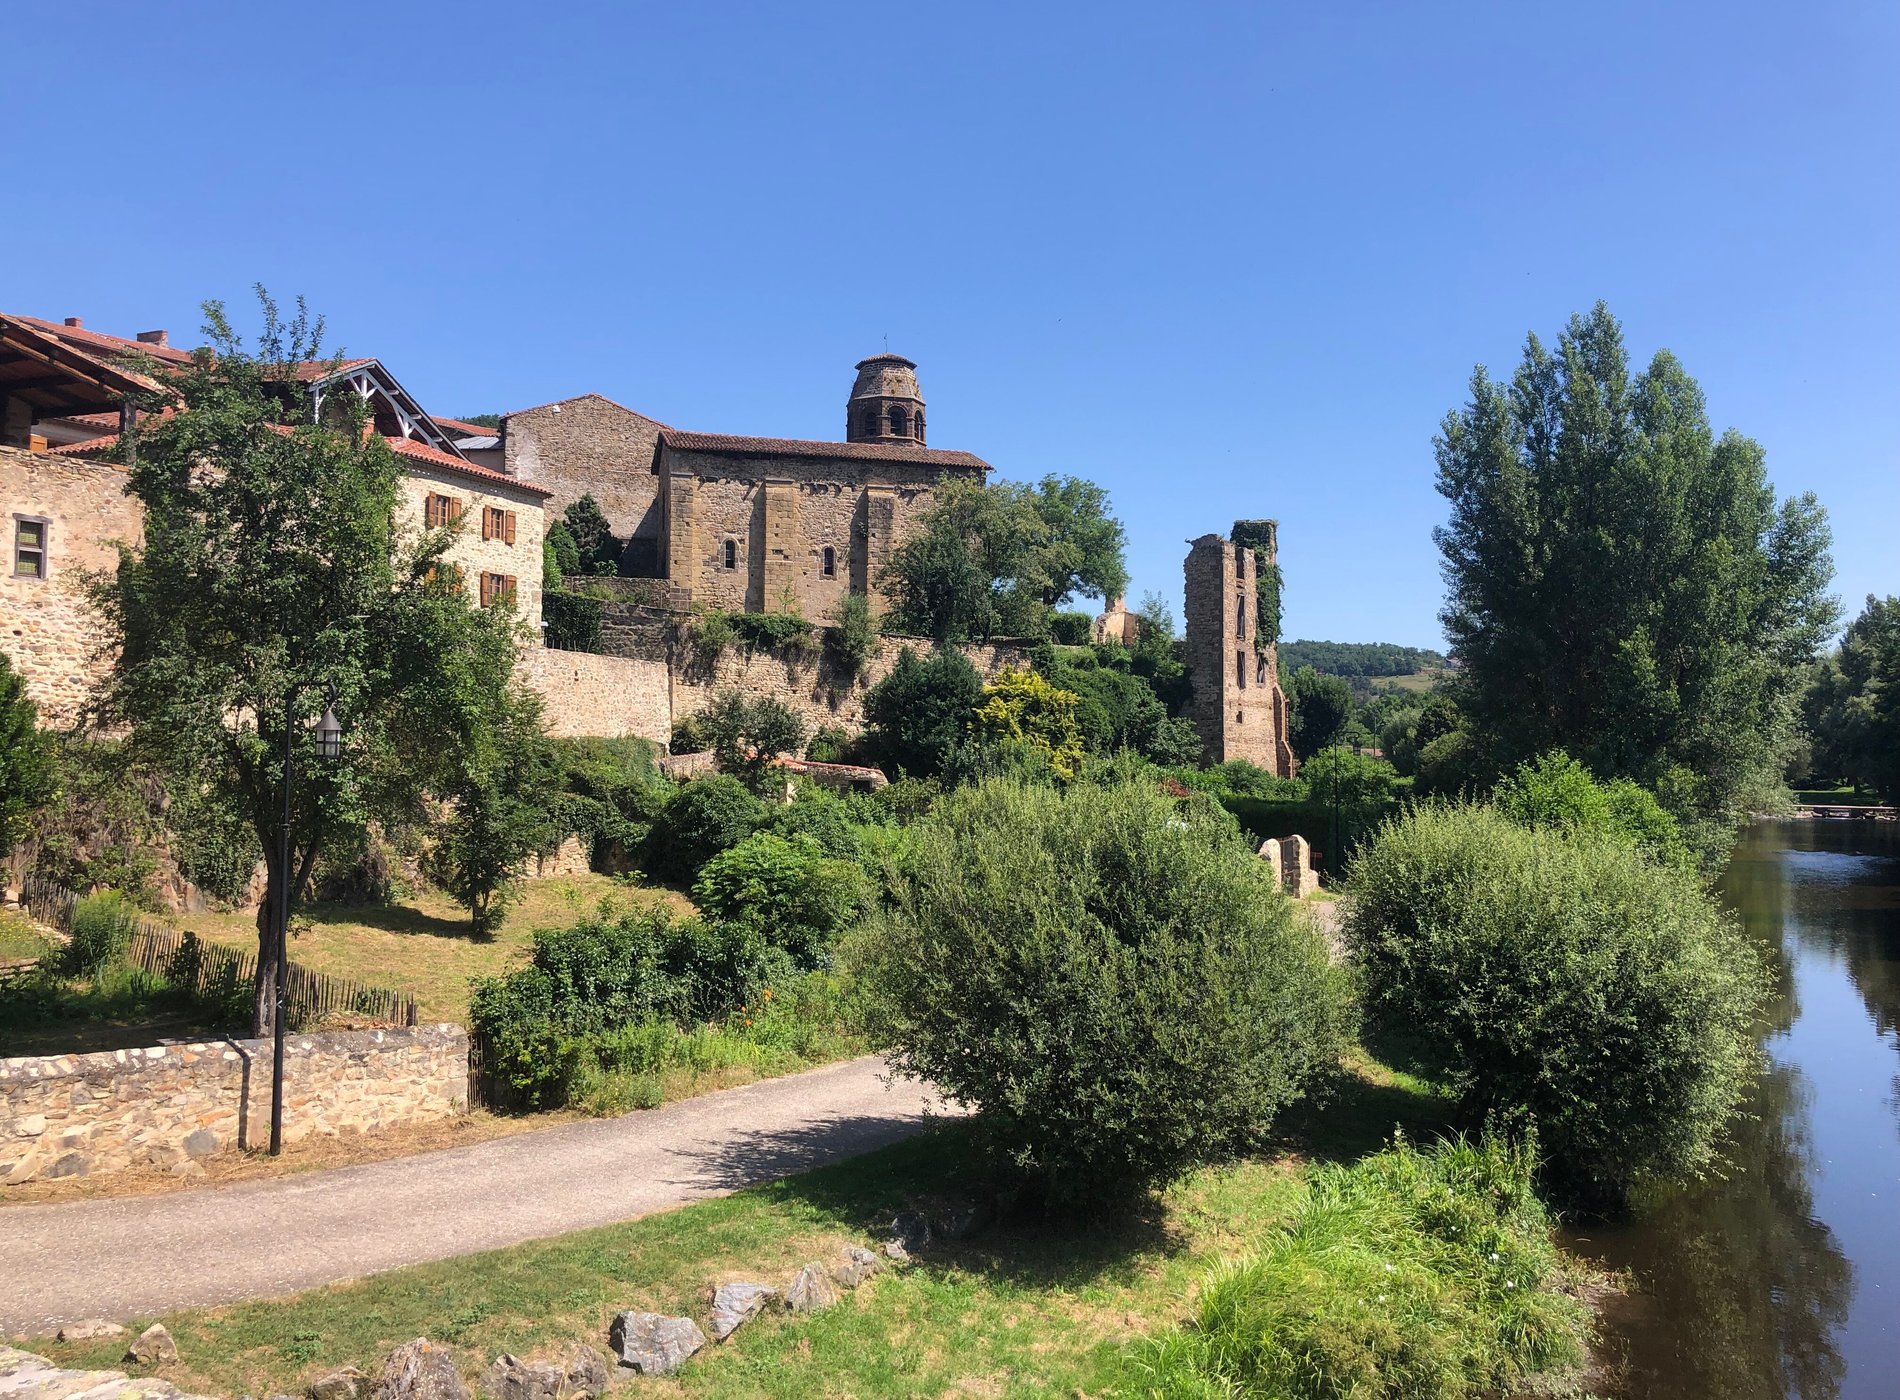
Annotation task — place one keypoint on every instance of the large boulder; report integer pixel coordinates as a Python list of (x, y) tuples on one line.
[(344, 1383), (737, 1303), (911, 1229), (811, 1290), (587, 1374), (511, 1378), (652, 1343), (420, 1370)]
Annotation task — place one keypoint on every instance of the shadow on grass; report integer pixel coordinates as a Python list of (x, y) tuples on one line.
[(386, 918)]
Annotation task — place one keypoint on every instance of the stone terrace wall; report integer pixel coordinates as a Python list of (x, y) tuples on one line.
[(71, 1115), (600, 697)]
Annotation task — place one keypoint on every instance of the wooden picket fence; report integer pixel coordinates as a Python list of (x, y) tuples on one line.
[(213, 970)]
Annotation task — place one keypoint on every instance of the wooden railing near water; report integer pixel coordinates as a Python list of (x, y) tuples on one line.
[(210, 969)]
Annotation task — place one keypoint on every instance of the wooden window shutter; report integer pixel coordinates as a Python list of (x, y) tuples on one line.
[(454, 509), (508, 588), (488, 524), (508, 526)]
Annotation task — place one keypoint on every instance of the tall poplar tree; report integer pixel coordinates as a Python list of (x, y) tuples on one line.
[(1620, 581)]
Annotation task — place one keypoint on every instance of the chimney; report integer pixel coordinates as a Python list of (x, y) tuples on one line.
[(158, 338), (75, 322)]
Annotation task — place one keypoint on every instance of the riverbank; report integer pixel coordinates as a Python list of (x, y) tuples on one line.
[(1009, 1308)]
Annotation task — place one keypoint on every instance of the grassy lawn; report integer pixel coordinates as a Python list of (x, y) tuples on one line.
[(20, 939), (1020, 1310), (423, 945)]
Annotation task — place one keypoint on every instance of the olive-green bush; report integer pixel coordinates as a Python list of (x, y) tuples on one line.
[(1565, 980), (1109, 976), (706, 816)]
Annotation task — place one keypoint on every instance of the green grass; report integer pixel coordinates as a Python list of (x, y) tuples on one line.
[(20, 939), (47, 1013), (1024, 1309)]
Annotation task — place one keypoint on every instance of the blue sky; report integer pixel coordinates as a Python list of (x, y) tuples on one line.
[(1228, 260)]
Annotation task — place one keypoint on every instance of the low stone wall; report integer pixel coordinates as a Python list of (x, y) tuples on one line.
[(600, 697), (72, 1115)]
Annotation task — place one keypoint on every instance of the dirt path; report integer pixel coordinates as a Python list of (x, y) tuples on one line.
[(136, 1257)]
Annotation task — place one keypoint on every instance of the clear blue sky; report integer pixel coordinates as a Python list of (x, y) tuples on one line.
[(1228, 260)]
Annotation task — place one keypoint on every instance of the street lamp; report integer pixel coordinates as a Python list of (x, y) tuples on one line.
[(328, 742)]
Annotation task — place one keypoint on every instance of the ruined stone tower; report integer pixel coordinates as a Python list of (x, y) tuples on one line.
[(885, 404), (1236, 703)]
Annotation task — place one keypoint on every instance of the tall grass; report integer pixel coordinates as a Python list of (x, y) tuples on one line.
[(1420, 1274)]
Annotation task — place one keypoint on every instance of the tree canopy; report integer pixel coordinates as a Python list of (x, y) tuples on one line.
[(29, 775), (1321, 707), (1853, 708), (1620, 582)]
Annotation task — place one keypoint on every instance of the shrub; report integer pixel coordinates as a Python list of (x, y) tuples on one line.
[(1113, 981), (1563, 981), (852, 638), (706, 816), (921, 710), (612, 792), (788, 891), (748, 732), (1558, 793), (1023, 707), (1428, 1275), (1071, 629), (828, 745), (29, 766), (573, 620), (101, 932)]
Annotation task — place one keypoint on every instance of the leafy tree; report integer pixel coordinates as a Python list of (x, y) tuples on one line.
[(274, 557), (598, 548), (1621, 584), (706, 816), (1321, 707), (1565, 981), (852, 638), (483, 420), (921, 710), (1853, 708), (749, 733), (1359, 658), (975, 566), (560, 554), (29, 772), (1022, 707), (1071, 629), (1109, 977), (1083, 549)]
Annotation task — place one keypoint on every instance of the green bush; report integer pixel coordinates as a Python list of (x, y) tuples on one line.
[(852, 638), (102, 927), (789, 891), (1410, 1275), (1563, 981), (573, 621), (706, 816), (1558, 793), (612, 791), (1071, 629), (921, 710), (829, 745), (1108, 976)]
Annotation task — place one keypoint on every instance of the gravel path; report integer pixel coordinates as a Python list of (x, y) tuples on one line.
[(138, 1256)]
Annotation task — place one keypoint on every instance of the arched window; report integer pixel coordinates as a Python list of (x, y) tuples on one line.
[(829, 562), (917, 427), (732, 554), (870, 422), (898, 428)]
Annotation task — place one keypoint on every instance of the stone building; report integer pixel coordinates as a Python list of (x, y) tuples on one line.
[(1236, 701), (65, 395), (747, 523)]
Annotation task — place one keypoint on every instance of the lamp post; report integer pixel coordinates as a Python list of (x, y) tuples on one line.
[(329, 745)]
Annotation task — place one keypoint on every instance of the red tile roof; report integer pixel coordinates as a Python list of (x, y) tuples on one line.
[(728, 445), (435, 457), (112, 344), (80, 449), (456, 425), (311, 370)]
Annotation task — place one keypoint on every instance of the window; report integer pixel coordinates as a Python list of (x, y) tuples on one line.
[(29, 548), (829, 562), (440, 511), (498, 588), (917, 427), (1240, 617), (1260, 670), (498, 524), (1240, 668), (1240, 563), (732, 554), (897, 420)]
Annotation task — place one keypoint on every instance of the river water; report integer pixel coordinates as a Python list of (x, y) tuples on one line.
[(1783, 1280)]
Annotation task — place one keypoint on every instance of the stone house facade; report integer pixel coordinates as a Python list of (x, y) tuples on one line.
[(748, 524)]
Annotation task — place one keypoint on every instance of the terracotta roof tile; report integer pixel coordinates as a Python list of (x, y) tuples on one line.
[(729, 445), (457, 425), (422, 452), (99, 340)]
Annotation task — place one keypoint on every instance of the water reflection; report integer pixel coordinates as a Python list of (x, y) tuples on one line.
[(1783, 1279)]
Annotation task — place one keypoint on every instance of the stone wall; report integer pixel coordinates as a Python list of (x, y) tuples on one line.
[(601, 697), (591, 446), (71, 1115), (1235, 702), (46, 629), (473, 555)]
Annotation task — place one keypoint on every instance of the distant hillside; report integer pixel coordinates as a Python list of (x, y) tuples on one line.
[(1358, 658)]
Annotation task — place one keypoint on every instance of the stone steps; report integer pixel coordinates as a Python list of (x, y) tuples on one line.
[(25, 1376)]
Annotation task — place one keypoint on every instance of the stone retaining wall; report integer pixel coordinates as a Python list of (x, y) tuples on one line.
[(72, 1115)]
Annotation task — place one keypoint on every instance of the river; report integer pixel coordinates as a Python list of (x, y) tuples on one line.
[(1783, 1280)]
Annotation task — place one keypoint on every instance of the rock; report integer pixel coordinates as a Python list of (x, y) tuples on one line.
[(859, 1264), (811, 1290), (511, 1378), (652, 1344), (153, 1347), (587, 1374), (188, 1168), (896, 1252), (420, 1370), (966, 1222), (344, 1383), (735, 1303), (911, 1229), (89, 1329), (72, 1164), (201, 1143)]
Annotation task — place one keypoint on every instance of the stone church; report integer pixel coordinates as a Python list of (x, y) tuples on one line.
[(747, 524)]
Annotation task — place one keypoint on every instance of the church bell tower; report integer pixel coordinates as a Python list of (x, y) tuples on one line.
[(885, 404)]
